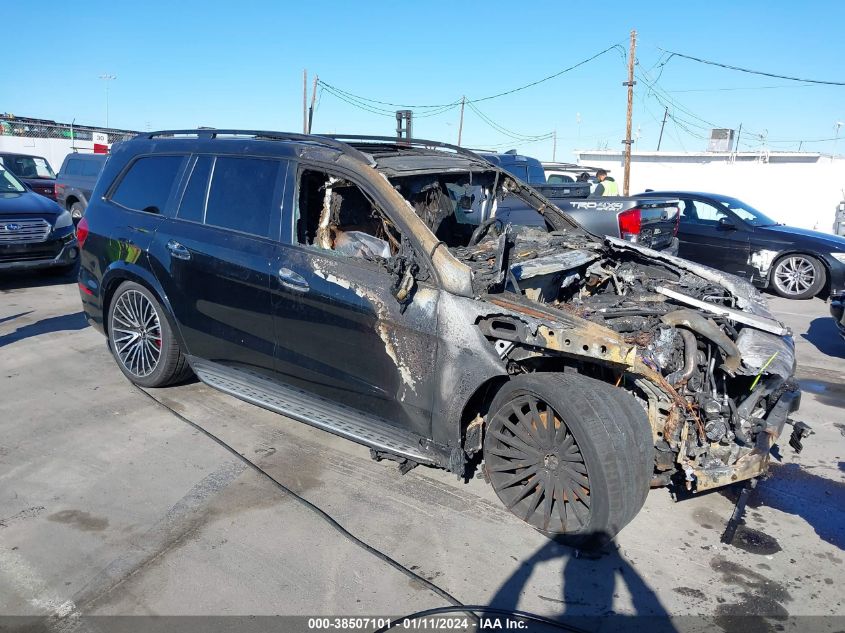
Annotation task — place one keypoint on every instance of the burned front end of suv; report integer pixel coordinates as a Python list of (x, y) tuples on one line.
[(697, 348)]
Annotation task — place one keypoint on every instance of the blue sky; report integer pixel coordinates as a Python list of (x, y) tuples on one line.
[(239, 64)]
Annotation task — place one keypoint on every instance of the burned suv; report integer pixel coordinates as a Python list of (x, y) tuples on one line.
[(366, 287)]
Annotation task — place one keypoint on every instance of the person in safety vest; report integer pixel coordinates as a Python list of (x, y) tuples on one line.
[(607, 185)]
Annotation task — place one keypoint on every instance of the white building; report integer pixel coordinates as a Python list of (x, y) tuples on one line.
[(797, 188)]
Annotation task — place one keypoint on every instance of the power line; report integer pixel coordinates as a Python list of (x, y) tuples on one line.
[(747, 70), (743, 88), (354, 97), (505, 131)]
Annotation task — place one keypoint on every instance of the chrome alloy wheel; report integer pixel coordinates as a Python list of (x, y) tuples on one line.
[(136, 333), (795, 275)]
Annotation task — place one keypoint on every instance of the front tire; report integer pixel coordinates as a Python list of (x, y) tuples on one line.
[(141, 339), (798, 276), (568, 454)]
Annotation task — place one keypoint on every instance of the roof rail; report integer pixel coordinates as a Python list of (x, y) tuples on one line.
[(406, 142), (316, 139)]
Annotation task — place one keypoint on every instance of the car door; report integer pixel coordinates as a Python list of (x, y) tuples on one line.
[(710, 234), (213, 258), (340, 331)]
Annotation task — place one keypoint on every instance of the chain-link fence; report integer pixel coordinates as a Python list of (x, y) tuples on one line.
[(36, 128)]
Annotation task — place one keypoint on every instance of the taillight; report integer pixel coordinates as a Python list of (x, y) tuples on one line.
[(56, 188), (82, 232), (677, 223), (630, 224)]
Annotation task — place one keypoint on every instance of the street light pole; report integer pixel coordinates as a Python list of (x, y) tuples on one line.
[(107, 78)]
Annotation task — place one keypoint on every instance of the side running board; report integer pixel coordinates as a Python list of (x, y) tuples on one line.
[(319, 412)]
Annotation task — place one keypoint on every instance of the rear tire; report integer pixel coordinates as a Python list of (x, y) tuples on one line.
[(798, 276), (569, 455), (76, 212), (141, 339)]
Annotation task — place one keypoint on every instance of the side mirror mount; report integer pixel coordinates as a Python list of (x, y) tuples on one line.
[(725, 224)]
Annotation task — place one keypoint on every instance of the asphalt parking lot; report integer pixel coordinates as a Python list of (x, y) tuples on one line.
[(112, 504)]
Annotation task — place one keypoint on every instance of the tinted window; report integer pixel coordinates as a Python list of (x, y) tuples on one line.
[(241, 194), (698, 212), (193, 200), (520, 171), (92, 168), (73, 168), (147, 184), (558, 179)]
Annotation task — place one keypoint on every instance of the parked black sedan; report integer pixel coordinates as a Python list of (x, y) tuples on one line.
[(34, 231), (731, 235)]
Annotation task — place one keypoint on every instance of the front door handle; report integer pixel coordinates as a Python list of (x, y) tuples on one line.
[(177, 251), (293, 281)]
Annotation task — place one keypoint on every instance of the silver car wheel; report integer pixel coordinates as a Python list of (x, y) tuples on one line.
[(136, 333), (795, 275)]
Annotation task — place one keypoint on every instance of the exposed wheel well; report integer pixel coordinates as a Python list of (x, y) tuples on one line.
[(113, 284), (479, 403)]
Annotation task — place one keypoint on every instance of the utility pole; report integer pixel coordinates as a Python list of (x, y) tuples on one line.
[(630, 84), (107, 78), (461, 122), (311, 109), (554, 145), (305, 101), (662, 125)]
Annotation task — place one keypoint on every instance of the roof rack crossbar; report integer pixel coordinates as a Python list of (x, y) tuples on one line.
[(316, 139), (406, 142)]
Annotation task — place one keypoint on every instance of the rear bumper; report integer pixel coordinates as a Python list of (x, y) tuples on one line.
[(62, 252), (837, 278), (837, 311)]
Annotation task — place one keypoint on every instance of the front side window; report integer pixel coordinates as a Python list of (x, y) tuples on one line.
[(698, 212), (240, 195), (336, 215), (146, 186)]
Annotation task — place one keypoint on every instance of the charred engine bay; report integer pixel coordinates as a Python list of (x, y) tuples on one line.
[(708, 371)]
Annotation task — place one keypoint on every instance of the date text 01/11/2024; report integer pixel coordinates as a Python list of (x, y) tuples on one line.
[(422, 623)]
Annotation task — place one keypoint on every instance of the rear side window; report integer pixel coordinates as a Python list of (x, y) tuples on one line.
[(520, 171), (92, 168), (148, 183), (240, 196), (73, 168), (193, 200)]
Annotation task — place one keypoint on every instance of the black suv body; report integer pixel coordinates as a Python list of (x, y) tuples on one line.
[(75, 181), (342, 284)]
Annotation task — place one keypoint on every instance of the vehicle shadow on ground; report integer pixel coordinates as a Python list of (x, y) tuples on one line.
[(64, 322), (35, 279), (823, 334), (794, 489), (589, 585)]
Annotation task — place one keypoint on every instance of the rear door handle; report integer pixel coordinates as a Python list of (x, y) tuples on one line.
[(177, 251), (293, 281)]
